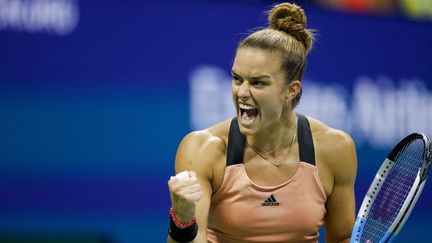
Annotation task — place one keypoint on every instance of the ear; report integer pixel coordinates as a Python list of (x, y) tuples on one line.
[(293, 90)]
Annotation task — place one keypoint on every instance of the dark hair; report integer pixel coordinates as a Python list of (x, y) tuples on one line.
[(287, 37)]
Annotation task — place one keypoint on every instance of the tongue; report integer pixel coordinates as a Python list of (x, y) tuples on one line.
[(249, 115)]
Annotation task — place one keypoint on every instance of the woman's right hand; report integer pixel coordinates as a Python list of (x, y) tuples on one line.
[(185, 192)]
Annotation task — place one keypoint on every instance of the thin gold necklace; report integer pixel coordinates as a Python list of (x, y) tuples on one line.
[(267, 157)]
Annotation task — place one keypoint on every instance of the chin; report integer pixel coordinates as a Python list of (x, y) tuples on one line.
[(248, 129)]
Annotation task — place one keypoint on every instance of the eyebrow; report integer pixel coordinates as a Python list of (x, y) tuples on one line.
[(253, 78)]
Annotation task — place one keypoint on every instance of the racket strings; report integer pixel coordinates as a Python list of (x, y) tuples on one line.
[(394, 191)]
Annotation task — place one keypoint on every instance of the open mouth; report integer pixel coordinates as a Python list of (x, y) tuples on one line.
[(248, 113)]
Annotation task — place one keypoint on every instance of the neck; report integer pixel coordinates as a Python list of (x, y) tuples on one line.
[(277, 137)]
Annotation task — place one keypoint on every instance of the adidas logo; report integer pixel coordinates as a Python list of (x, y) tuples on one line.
[(271, 201)]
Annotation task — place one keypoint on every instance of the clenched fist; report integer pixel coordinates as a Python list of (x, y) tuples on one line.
[(185, 192)]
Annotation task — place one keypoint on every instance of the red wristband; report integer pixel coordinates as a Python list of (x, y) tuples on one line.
[(178, 223)]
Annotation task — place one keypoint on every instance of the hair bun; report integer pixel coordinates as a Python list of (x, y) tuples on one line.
[(290, 18), (287, 17)]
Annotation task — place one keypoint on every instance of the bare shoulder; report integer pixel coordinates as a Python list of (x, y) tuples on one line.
[(330, 138), (202, 150), (334, 147)]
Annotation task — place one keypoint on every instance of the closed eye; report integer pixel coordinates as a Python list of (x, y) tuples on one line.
[(237, 79), (258, 83)]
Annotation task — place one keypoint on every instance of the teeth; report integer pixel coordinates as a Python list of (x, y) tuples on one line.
[(246, 107)]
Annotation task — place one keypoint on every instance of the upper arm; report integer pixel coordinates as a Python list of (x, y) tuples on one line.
[(340, 205), (198, 152)]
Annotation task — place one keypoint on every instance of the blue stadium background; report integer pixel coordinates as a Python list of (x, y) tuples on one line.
[(92, 110)]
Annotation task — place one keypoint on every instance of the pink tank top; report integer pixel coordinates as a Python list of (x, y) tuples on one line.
[(241, 211)]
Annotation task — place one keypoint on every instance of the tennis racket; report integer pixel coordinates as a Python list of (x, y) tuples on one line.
[(394, 191)]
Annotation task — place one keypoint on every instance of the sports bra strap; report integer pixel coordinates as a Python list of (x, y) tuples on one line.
[(305, 141), (235, 144)]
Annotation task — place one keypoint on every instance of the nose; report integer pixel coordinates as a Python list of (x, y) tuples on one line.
[(243, 91)]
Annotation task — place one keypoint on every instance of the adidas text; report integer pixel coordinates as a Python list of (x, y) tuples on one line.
[(264, 204)]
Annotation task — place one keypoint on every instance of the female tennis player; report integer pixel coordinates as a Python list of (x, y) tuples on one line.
[(269, 174)]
